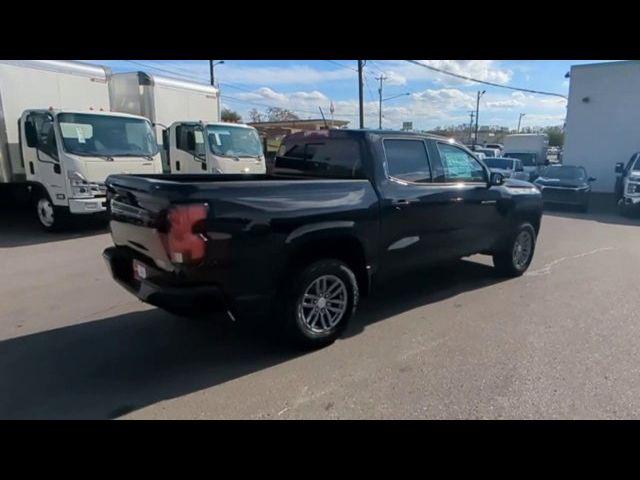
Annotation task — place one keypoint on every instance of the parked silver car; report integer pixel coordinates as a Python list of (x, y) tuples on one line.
[(507, 167)]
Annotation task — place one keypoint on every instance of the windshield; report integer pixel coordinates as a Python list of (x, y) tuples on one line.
[(230, 141), (528, 159), (564, 173), (501, 163), (103, 135), (488, 153)]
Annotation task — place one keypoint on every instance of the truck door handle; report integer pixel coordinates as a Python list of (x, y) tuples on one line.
[(403, 201), (457, 200)]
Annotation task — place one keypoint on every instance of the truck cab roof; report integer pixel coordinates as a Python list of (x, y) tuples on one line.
[(88, 112), (359, 132), (214, 124)]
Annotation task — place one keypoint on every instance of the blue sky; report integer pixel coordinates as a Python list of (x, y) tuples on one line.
[(433, 99)]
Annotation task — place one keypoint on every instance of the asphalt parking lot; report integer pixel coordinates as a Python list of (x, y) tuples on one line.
[(563, 341)]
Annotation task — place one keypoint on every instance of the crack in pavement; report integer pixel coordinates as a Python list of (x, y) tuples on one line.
[(546, 269)]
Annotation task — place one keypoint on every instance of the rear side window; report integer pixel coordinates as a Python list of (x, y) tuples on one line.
[(459, 166), (407, 160), (326, 157)]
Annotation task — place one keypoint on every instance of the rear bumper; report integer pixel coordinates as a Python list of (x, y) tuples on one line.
[(155, 290)]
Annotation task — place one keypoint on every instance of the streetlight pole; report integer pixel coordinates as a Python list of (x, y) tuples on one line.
[(360, 93), (381, 78), (384, 100), (212, 64), (471, 114), (480, 94), (519, 120)]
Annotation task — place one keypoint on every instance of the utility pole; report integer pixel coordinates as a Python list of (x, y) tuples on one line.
[(480, 94), (360, 92), (381, 78), (471, 114), (520, 120)]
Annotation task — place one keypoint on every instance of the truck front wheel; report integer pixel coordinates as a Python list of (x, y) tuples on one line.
[(517, 254), (318, 303), (50, 217)]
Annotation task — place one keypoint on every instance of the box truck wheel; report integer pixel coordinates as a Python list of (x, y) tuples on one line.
[(50, 217)]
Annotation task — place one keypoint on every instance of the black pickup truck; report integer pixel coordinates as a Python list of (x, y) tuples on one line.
[(339, 210)]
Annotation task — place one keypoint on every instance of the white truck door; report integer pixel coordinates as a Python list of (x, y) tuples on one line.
[(41, 159), (187, 149)]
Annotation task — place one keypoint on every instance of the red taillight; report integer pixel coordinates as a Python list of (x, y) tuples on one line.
[(183, 242)]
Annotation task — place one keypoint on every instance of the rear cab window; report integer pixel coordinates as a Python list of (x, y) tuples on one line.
[(407, 160), (321, 156)]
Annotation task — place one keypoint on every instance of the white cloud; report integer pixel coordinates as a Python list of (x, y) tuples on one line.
[(487, 70), (445, 98)]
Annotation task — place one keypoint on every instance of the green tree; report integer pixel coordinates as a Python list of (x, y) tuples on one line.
[(230, 116), (556, 136)]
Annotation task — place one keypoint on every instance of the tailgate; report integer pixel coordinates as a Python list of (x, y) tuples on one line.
[(137, 208)]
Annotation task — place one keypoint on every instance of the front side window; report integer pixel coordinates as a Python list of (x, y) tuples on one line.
[(459, 166), (105, 135), (407, 160)]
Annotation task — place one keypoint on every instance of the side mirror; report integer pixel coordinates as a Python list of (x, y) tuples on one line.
[(31, 134), (619, 167), (592, 179), (496, 179), (191, 141)]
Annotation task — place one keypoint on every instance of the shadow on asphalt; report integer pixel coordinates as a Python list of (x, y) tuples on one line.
[(19, 227), (107, 368)]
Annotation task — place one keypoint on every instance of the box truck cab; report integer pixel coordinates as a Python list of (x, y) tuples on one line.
[(163, 101), (530, 149), (68, 155), (214, 147), (59, 141)]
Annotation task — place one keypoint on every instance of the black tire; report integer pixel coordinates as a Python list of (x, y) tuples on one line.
[(505, 262), (50, 217), (291, 314), (623, 210)]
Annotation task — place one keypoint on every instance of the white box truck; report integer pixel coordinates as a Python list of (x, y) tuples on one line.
[(214, 147), (530, 149), (59, 140), (163, 101)]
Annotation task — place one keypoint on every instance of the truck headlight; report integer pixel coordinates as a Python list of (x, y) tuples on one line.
[(80, 187), (633, 188), (76, 178)]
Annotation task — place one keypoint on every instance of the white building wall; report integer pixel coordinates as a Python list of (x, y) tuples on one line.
[(605, 129)]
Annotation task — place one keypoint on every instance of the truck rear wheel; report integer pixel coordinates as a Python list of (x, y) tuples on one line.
[(50, 217), (516, 257), (318, 304)]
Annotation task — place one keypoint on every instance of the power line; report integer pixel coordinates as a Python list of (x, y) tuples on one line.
[(342, 65), (248, 102), (464, 77), (173, 72)]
